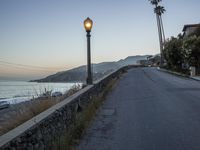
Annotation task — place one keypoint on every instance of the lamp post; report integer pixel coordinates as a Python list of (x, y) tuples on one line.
[(88, 26)]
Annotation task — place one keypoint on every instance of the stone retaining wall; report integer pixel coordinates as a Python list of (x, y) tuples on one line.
[(41, 131)]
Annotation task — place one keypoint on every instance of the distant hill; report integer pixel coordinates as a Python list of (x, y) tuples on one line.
[(131, 60), (99, 70)]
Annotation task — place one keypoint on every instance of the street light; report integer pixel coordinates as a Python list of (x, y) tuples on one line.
[(88, 26)]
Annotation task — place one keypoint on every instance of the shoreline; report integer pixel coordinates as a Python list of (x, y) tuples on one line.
[(17, 92)]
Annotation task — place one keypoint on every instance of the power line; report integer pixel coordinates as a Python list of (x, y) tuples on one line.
[(28, 66), (25, 68)]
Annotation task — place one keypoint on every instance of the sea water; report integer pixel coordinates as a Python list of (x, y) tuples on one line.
[(17, 91)]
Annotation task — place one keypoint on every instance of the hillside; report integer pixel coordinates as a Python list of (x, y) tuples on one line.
[(99, 70)]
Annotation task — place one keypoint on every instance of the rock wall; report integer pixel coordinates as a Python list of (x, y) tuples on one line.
[(41, 131)]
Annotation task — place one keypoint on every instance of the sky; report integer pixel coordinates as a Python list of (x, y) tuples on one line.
[(41, 37)]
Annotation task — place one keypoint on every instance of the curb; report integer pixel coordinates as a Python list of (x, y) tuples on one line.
[(195, 78), (177, 74)]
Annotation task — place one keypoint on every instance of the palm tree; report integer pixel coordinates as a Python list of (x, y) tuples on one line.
[(159, 10), (155, 2)]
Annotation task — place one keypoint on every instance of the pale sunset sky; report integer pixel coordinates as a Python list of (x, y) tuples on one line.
[(41, 37)]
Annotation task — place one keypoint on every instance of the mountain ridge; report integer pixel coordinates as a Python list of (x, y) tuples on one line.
[(79, 74)]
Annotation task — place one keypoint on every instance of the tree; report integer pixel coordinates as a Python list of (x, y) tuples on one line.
[(155, 2), (174, 53), (159, 10), (179, 52), (191, 47)]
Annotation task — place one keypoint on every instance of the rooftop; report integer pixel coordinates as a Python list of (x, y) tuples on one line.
[(189, 26)]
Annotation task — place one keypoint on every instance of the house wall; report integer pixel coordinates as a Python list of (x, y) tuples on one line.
[(190, 30)]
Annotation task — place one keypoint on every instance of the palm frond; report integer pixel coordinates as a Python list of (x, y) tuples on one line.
[(155, 2), (159, 10)]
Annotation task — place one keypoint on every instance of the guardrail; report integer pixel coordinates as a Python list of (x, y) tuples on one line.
[(42, 130)]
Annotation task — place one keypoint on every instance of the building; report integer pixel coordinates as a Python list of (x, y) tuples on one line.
[(143, 62), (154, 60), (190, 29)]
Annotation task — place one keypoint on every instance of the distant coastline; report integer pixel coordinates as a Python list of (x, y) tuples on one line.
[(99, 70)]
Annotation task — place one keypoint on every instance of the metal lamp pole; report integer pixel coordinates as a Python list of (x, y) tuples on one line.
[(88, 26), (89, 70)]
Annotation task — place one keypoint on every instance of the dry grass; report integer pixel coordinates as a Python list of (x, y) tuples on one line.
[(71, 91), (83, 120), (20, 113)]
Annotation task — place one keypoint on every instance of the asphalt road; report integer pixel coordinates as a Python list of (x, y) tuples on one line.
[(147, 110)]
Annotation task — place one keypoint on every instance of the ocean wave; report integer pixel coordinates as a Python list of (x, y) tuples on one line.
[(16, 100)]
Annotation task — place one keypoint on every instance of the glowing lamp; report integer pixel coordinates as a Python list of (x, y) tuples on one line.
[(88, 24)]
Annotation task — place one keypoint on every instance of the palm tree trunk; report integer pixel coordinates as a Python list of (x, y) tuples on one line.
[(160, 39), (162, 28)]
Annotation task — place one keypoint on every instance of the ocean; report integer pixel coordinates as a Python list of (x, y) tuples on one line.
[(17, 91)]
